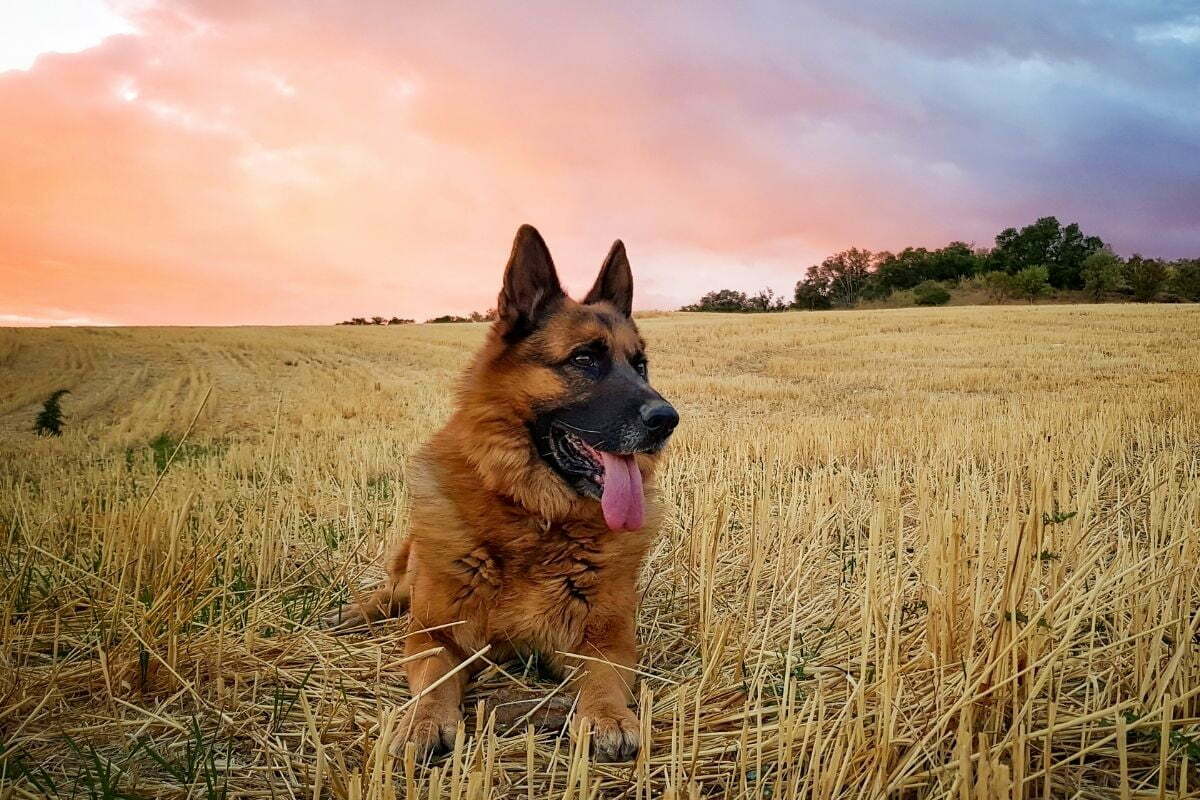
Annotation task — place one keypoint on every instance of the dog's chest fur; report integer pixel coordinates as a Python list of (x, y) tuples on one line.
[(500, 576), (530, 588)]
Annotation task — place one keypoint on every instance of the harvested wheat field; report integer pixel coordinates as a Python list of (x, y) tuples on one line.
[(918, 553)]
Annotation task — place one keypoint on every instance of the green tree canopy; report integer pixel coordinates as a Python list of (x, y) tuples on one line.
[(1185, 278), (723, 300), (1102, 273), (1145, 276), (1061, 250), (810, 296), (912, 265), (843, 276), (1031, 282)]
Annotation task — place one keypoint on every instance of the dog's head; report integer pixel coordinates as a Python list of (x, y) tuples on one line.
[(577, 378)]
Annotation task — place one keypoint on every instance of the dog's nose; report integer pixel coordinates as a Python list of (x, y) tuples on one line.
[(660, 416)]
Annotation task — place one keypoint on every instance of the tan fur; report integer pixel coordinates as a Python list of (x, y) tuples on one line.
[(502, 546)]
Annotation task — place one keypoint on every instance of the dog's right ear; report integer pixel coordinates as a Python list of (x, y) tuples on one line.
[(530, 285)]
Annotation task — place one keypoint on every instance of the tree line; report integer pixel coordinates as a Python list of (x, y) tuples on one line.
[(474, 316), (376, 321), (1024, 264)]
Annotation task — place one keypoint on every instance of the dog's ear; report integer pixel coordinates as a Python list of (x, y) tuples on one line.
[(615, 281), (530, 284)]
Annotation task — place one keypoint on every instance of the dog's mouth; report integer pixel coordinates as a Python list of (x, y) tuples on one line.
[(612, 478)]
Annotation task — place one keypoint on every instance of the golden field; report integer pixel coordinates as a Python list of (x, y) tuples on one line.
[(920, 553)]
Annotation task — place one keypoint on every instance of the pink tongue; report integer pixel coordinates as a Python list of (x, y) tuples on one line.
[(622, 500)]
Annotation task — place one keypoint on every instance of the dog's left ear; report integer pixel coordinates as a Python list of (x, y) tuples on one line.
[(530, 287), (614, 284)]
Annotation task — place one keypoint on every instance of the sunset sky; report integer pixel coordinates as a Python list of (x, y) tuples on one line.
[(237, 161)]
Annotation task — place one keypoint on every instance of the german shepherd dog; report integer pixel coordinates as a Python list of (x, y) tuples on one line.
[(531, 513)]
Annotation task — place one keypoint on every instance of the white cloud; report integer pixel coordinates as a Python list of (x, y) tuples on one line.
[(1187, 32), (127, 90), (276, 81), (175, 114), (33, 27), (27, 320)]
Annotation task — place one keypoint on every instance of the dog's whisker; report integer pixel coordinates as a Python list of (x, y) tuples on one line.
[(577, 428)]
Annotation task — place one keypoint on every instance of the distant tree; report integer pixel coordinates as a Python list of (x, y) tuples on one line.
[(912, 265), (733, 301), (999, 285), (810, 297), (378, 321), (816, 283), (953, 262), (1185, 278), (1029, 246), (843, 276), (874, 289), (766, 300), (399, 321), (474, 316), (1145, 277), (1102, 273), (1045, 243), (930, 293), (1031, 282), (1070, 251), (49, 420), (902, 270), (722, 300)]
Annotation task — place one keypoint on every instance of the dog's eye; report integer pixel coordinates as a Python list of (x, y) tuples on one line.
[(585, 360)]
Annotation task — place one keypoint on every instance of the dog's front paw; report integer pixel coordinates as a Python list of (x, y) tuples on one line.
[(342, 620), (615, 734), (430, 728)]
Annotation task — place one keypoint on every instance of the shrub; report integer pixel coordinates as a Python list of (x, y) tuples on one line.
[(1145, 277), (1101, 273), (930, 293), (49, 420), (165, 446), (999, 285), (1031, 282), (1185, 280)]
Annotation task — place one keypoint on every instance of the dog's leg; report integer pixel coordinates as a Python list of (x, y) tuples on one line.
[(606, 690), (389, 600), (433, 720)]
